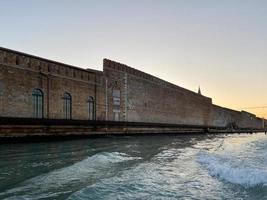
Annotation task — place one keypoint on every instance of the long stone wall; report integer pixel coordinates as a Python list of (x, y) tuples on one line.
[(120, 93)]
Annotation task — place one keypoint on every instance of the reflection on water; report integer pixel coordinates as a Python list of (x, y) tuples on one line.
[(137, 167)]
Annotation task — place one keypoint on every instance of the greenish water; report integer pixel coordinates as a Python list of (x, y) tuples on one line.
[(137, 167)]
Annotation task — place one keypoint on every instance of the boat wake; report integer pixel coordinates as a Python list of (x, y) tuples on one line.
[(225, 168)]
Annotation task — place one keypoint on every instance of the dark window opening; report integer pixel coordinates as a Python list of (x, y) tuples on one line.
[(91, 107), (67, 105), (17, 60), (38, 103)]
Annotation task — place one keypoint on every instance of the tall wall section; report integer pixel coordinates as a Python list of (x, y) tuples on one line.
[(135, 96), (145, 98), (21, 73)]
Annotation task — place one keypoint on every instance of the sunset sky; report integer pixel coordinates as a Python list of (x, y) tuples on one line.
[(219, 45)]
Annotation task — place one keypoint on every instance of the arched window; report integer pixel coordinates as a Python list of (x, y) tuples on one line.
[(38, 103), (91, 107), (67, 105)]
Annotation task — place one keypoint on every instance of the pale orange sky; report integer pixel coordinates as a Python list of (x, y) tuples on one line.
[(219, 45)]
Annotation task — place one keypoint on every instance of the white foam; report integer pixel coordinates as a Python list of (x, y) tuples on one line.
[(224, 169)]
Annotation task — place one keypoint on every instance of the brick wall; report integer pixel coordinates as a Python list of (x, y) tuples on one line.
[(20, 74), (145, 98), (221, 116)]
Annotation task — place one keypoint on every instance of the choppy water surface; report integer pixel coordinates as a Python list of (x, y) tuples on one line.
[(143, 167)]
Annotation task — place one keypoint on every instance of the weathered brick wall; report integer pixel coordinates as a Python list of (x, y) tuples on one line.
[(145, 98), (16, 96), (20, 74), (115, 81), (223, 117), (157, 103), (250, 120)]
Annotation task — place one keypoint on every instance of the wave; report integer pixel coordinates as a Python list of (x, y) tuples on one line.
[(81, 171), (224, 168)]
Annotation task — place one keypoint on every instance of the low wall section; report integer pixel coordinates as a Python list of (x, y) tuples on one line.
[(21, 73)]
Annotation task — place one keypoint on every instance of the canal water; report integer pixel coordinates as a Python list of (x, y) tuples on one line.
[(137, 167)]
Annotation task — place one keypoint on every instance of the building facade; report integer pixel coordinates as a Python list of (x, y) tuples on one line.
[(34, 87)]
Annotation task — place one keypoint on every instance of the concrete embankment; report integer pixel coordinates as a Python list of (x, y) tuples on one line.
[(29, 128)]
